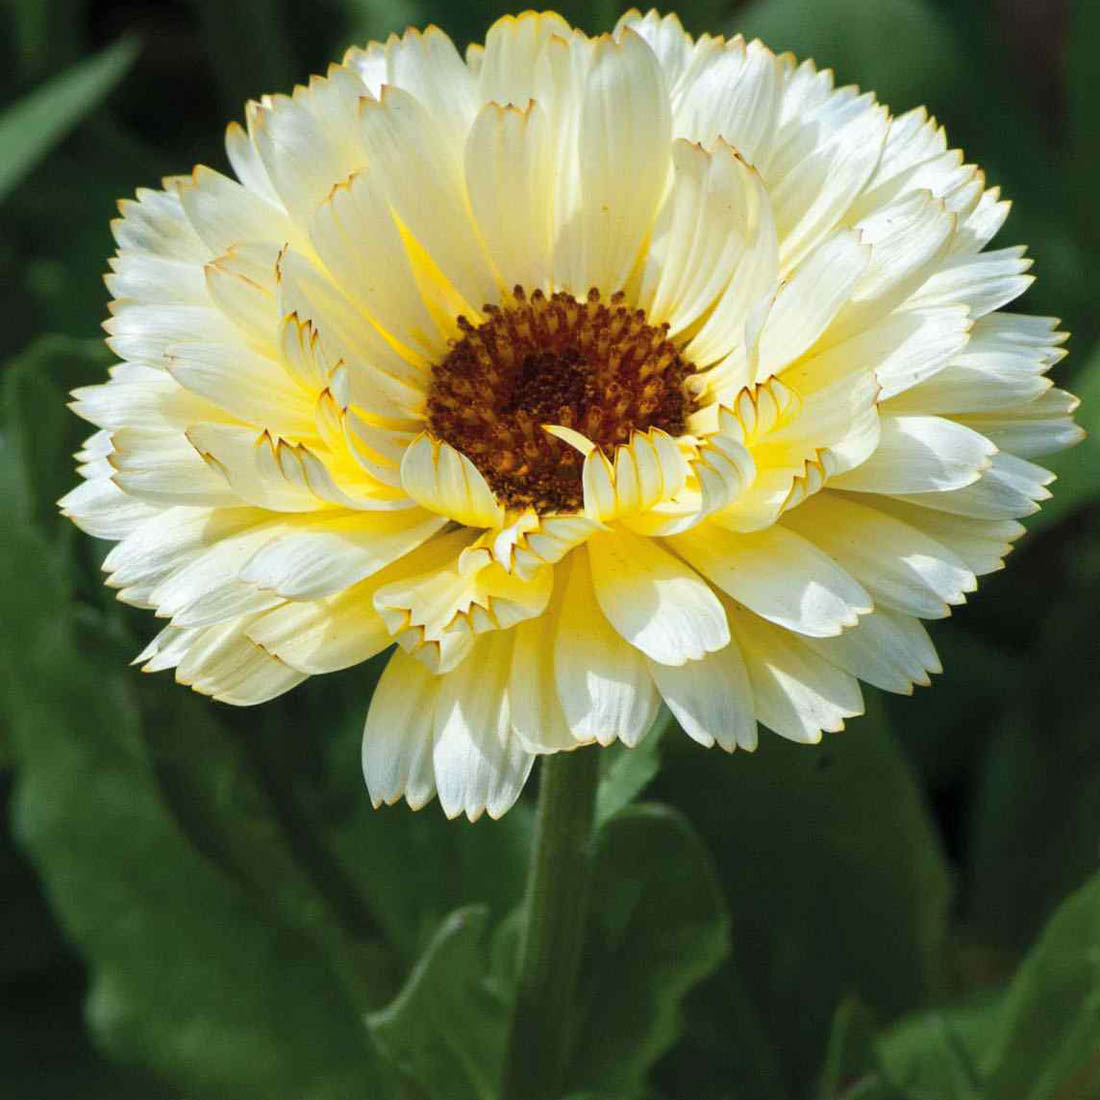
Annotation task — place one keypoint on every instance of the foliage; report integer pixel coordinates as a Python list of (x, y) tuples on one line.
[(910, 911)]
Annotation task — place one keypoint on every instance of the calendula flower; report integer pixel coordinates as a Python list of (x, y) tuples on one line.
[(590, 371)]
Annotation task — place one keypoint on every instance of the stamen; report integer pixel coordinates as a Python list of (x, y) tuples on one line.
[(599, 368)]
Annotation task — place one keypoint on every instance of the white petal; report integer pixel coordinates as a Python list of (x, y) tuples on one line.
[(397, 735), (733, 93), (654, 600), (480, 764), (887, 649), (810, 299), (777, 574), (355, 235), (424, 185), (509, 163), (711, 698), (899, 565), (797, 694), (444, 480), (1009, 489), (335, 552), (603, 683), (537, 716), (624, 160), (920, 454)]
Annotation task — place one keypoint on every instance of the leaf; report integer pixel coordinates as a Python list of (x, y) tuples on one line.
[(1047, 1045), (32, 126), (925, 1059), (849, 1051), (446, 1030), (833, 873), (41, 431), (848, 35), (191, 973), (658, 926), (1077, 485), (628, 771)]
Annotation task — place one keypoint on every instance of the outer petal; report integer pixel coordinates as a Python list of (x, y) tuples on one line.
[(797, 693), (603, 683), (711, 698), (397, 736), (779, 575), (480, 764), (624, 144), (654, 600)]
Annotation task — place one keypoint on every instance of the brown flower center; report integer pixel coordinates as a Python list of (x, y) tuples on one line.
[(596, 367)]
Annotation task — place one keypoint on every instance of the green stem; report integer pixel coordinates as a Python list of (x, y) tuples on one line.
[(553, 932)]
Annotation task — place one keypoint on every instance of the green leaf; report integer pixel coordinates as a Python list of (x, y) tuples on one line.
[(192, 974), (1077, 485), (1047, 1045), (626, 772), (847, 36), (41, 432), (833, 873), (445, 1032), (658, 927), (925, 1059), (849, 1051), (31, 127)]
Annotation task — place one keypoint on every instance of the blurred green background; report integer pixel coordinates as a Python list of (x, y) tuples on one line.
[(199, 901)]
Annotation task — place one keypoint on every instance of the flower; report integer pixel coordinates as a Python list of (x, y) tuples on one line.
[(590, 371)]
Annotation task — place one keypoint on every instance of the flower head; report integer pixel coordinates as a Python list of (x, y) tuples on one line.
[(590, 371)]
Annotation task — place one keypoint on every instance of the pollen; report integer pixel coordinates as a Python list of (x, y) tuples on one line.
[(595, 366)]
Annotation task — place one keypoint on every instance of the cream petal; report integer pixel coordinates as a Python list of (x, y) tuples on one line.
[(654, 600), (840, 142), (733, 94), (359, 242), (777, 574), (100, 508), (424, 186), (224, 213), (480, 764), (309, 142), (797, 694), (665, 36), (711, 698), (154, 223), (1040, 427), (244, 383), (918, 454), (983, 282), (335, 552), (397, 734), (810, 299), (514, 45), (162, 467), (444, 480), (888, 650), (509, 163), (701, 234), (220, 661), (604, 685), (902, 567), (1009, 489), (537, 717), (981, 544), (624, 159)]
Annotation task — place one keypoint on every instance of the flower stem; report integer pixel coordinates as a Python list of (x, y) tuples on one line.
[(553, 929)]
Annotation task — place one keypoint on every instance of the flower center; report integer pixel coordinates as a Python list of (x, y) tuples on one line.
[(598, 368)]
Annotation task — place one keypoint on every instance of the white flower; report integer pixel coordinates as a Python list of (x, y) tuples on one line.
[(591, 372)]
